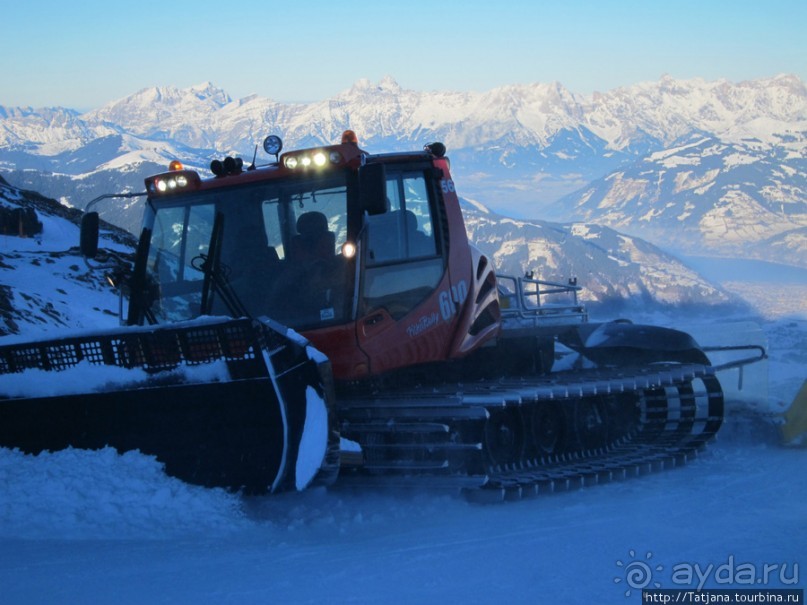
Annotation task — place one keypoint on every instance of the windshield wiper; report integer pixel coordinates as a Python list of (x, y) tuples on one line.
[(215, 279)]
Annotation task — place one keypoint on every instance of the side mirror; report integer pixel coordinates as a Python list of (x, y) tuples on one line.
[(373, 188), (89, 234)]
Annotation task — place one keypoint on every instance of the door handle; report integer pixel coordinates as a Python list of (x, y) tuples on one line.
[(374, 319)]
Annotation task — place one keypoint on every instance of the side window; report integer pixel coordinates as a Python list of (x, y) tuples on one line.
[(200, 230), (274, 225), (165, 251), (402, 255), (180, 235), (306, 223), (310, 284), (419, 227), (406, 230)]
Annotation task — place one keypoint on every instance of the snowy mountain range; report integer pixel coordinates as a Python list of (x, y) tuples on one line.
[(743, 199), (716, 164), (615, 270)]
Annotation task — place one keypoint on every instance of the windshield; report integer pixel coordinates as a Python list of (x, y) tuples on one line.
[(280, 251)]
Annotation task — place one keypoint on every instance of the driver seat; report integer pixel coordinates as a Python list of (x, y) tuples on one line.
[(313, 240)]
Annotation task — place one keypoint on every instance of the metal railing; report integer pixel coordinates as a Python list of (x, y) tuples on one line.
[(526, 298)]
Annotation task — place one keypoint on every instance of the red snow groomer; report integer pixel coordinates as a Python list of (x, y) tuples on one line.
[(334, 293)]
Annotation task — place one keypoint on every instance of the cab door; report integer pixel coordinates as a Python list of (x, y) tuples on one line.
[(400, 321)]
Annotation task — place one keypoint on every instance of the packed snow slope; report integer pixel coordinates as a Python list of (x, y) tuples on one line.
[(44, 284), (81, 527), (103, 527)]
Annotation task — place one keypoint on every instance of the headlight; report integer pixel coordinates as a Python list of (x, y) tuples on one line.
[(316, 159), (173, 182), (348, 249), (272, 144)]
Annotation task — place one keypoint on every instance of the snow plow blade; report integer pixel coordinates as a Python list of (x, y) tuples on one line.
[(239, 404)]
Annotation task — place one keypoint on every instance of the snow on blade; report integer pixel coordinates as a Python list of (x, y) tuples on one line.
[(348, 445), (314, 441), (113, 330), (86, 377)]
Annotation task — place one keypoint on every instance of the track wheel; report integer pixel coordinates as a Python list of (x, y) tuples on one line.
[(591, 422), (504, 437), (547, 428)]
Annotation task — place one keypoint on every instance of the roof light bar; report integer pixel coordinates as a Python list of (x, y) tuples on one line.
[(172, 182), (312, 159)]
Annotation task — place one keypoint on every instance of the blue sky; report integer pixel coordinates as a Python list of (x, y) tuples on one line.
[(85, 54)]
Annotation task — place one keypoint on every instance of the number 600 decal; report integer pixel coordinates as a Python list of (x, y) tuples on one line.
[(458, 295)]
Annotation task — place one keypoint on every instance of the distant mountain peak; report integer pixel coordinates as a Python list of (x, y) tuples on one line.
[(387, 85), (208, 90)]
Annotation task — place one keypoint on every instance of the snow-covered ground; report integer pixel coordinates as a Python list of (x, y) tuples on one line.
[(99, 527)]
